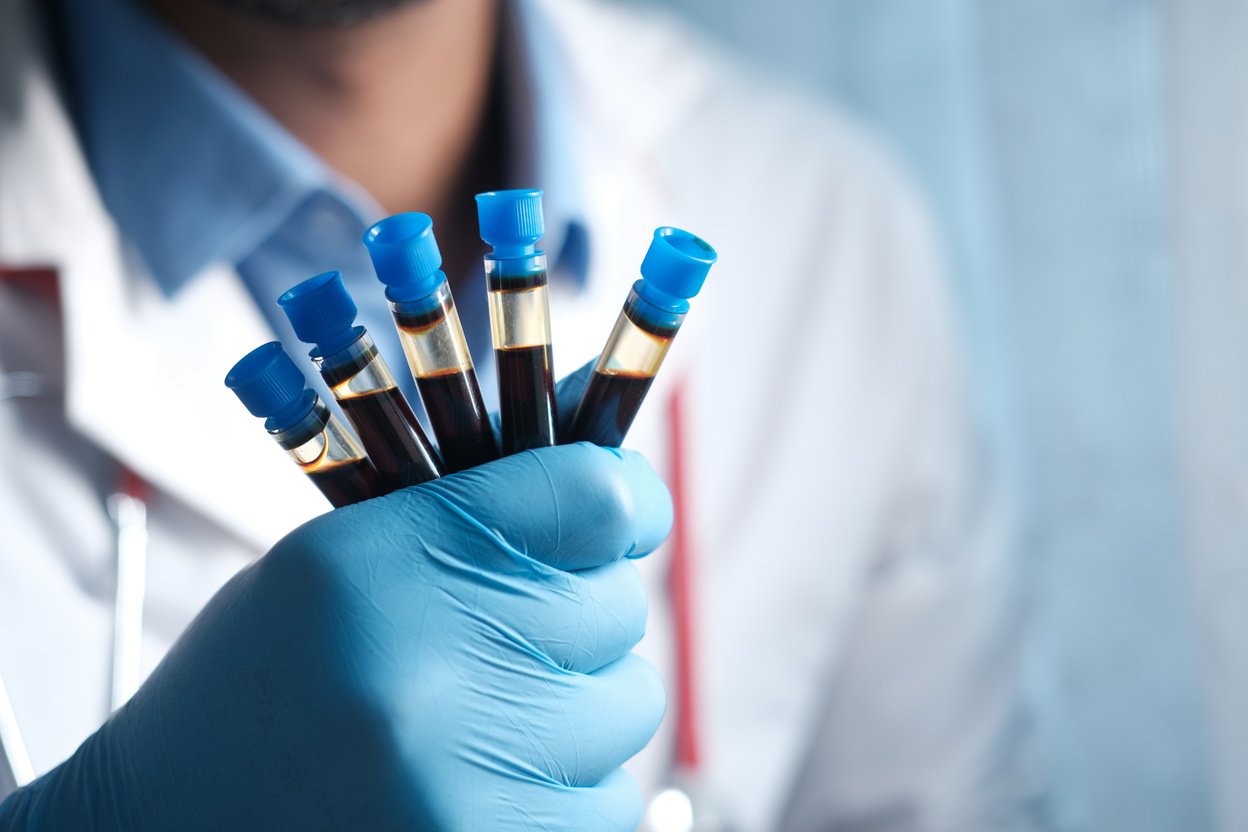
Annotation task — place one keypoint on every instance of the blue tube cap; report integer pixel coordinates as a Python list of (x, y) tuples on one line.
[(322, 312), (511, 221), (405, 254), (675, 266), (270, 386)]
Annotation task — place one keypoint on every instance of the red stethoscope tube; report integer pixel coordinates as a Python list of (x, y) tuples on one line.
[(683, 804), (687, 751)]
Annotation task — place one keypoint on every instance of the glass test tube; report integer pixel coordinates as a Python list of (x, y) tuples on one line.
[(511, 222), (406, 258), (271, 387), (673, 271), (323, 314)]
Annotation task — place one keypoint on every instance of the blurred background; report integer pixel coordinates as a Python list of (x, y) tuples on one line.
[(1085, 161)]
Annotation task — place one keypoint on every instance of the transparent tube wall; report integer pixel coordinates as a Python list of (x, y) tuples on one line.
[(361, 381), (520, 318), (520, 324), (626, 368), (636, 348), (358, 370), (331, 457), (432, 337), (437, 353)]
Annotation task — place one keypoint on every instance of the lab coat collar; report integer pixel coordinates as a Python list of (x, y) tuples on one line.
[(123, 392)]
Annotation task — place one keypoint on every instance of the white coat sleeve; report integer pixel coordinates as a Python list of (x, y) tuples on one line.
[(921, 728)]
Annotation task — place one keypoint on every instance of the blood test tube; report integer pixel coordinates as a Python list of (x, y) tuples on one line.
[(515, 270), (673, 271), (406, 258), (270, 386), (323, 314)]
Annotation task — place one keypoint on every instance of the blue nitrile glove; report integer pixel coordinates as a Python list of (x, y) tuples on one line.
[(568, 394), (451, 656)]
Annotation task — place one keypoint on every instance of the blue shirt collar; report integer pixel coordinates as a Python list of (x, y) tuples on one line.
[(196, 173)]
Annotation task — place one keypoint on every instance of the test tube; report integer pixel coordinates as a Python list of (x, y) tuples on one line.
[(406, 257), (515, 270), (323, 314), (673, 271), (270, 386)]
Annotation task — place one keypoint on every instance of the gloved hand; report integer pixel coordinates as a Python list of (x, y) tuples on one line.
[(451, 656)]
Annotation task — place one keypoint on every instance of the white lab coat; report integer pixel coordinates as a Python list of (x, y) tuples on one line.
[(854, 636)]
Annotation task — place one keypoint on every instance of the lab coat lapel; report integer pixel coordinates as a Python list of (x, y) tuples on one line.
[(139, 366)]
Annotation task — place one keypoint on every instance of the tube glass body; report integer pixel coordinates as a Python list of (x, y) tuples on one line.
[(630, 360), (362, 383), (520, 323), (437, 353), (330, 456)]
